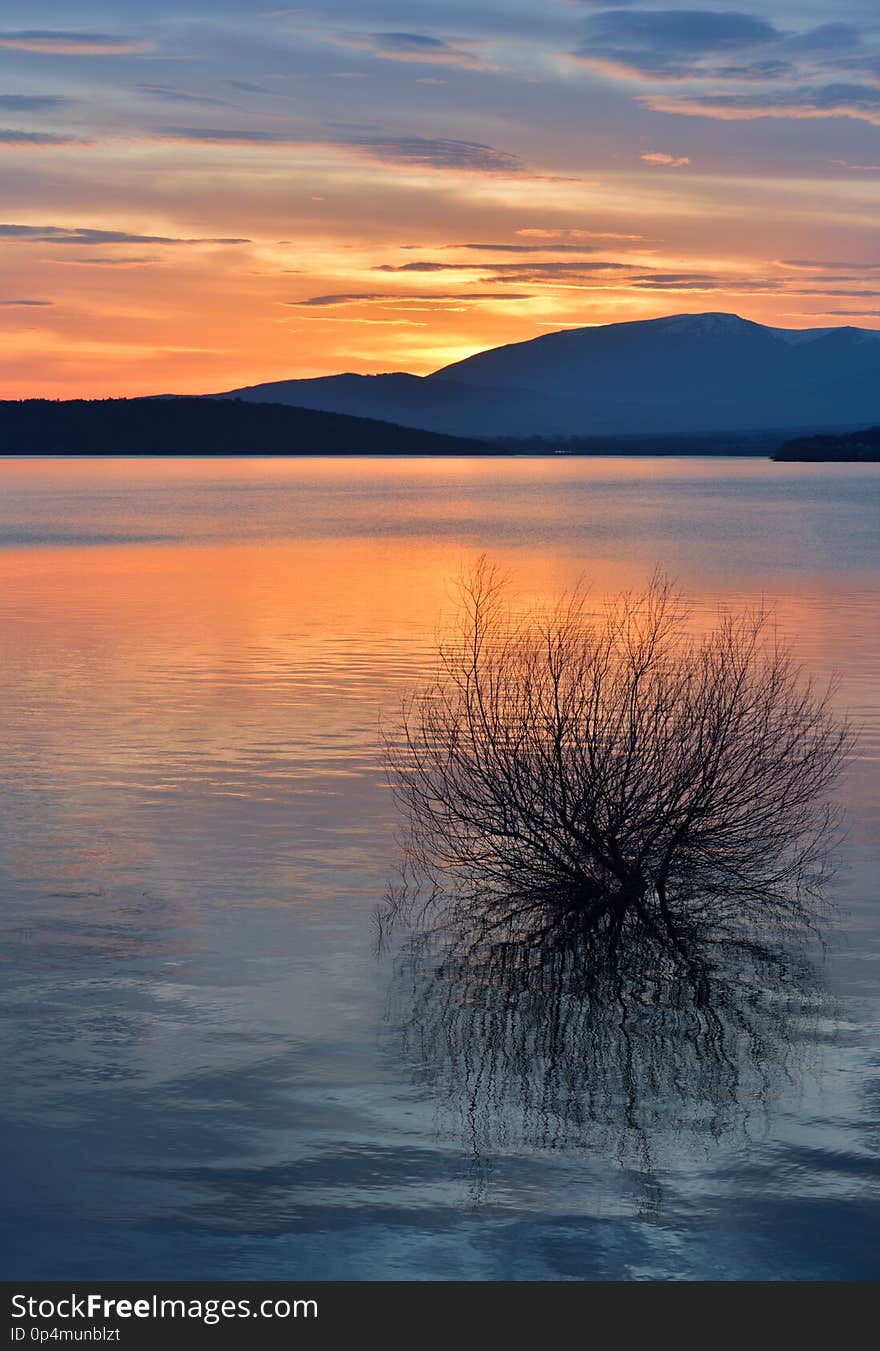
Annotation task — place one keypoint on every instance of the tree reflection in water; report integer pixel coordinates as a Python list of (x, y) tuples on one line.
[(634, 1046)]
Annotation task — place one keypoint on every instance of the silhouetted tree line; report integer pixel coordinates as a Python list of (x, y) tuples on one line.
[(856, 446), (194, 426), (758, 443)]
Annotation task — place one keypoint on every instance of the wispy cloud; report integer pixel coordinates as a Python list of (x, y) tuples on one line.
[(826, 265), (405, 298), (538, 233), (168, 94), (859, 102), (550, 266), (549, 247), (418, 48), (231, 136), (25, 304), (660, 158), (136, 261), (34, 140), (64, 234), (439, 153), (422, 152), (51, 42), (33, 103)]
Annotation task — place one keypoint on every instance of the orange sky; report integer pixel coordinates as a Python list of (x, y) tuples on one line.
[(198, 198)]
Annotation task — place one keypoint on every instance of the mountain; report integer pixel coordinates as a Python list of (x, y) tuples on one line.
[(193, 426), (413, 401), (687, 373)]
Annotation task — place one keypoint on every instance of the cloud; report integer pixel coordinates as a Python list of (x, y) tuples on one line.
[(577, 234), (821, 264), (106, 262), (500, 271), (25, 304), (848, 314), (415, 47), (54, 43), (828, 37), (825, 71), (416, 151), (32, 103), (224, 136), (668, 161), (666, 44), (247, 87), (171, 95), (14, 138), (417, 267), (678, 279), (526, 248), (63, 234), (399, 298), (859, 102), (438, 153)]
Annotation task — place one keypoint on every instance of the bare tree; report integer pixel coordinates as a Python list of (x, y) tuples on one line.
[(571, 770)]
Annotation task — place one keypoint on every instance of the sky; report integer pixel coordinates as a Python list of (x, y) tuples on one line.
[(196, 196)]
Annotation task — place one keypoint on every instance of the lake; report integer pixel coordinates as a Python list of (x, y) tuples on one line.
[(205, 1073)]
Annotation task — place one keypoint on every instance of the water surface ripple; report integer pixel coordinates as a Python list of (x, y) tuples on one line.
[(204, 1070)]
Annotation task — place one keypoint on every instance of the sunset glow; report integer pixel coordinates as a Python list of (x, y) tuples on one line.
[(202, 196)]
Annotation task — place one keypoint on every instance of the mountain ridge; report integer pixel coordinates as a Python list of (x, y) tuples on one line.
[(678, 374)]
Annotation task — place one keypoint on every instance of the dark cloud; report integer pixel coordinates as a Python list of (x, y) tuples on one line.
[(417, 151), (427, 152), (415, 267), (248, 88), (686, 46), (829, 37), (106, 262), (676, 278), (62, 234), (55, 43), (32, 103), (341, 299), (13, 137), (756, 71), (225, 136), (503, 269), (398, 298), (25, 304), (664, 44), (549, 247)]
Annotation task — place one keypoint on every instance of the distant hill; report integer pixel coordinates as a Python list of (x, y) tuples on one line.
[(193, 426), (685, 374), (861, 447)]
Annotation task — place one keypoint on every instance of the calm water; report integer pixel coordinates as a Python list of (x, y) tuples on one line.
[(205, 1073)]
